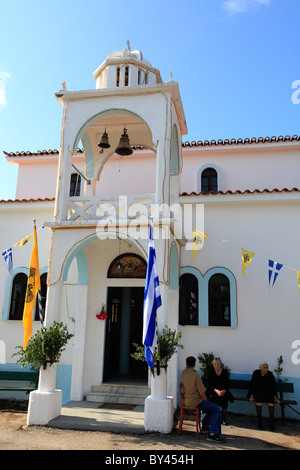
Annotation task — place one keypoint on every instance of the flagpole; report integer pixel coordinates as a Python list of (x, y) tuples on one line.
[(152, 301), (33, 291), (39, 297)]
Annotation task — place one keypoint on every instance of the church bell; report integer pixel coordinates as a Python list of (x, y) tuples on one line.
[(124, 145), (104, 144)]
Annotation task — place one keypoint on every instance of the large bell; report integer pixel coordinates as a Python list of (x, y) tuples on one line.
[(104, 144), (124, 145)]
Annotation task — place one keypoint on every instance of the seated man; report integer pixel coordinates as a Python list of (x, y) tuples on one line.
[(194, 396)]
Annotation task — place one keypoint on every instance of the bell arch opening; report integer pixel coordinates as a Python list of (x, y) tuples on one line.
[(102, 136)]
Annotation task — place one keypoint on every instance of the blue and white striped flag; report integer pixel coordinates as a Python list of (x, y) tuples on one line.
[(7, 255), (274, 269), (152, 301)]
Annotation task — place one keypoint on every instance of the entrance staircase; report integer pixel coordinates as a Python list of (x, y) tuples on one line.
[(118, 393)]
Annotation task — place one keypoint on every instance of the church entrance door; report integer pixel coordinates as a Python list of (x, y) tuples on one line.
[(124, 326)]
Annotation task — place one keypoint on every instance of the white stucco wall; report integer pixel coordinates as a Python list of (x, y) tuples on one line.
[(251, 166), (267, 319), (16, 222), (242, 167), (134, 174)]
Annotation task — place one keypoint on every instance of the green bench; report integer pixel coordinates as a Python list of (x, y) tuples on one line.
[(31, 377), (281, 387)]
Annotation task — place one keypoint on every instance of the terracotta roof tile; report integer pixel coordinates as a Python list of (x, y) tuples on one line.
[(238, 191), (199, 143), (256, 140), (38, 153), (8, 201)]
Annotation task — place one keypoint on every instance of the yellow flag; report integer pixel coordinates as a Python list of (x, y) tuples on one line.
[(298, 276), (247, 257), (197, 242), (33, 286), (24, 241)]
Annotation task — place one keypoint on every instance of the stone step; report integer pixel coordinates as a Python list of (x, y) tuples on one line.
[(116, 393)]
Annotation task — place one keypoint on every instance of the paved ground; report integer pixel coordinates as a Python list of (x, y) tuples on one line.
[(240, 434)]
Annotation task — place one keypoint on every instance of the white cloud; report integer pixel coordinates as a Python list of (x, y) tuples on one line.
[(4, 76), (239, 6)]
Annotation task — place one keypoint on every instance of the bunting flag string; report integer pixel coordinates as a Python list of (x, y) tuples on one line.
[(247, 256), (197, 241), (7, 254), (274, 269), (24, 240)]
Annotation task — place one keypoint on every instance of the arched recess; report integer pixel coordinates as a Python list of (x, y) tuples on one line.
[(78, 253), (82, 265), (88, 146)]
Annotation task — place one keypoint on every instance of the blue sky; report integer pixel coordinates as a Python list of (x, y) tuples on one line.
[(236, 63)]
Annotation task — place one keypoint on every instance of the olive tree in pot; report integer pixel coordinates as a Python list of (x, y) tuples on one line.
[(167, 344), (45, 347)]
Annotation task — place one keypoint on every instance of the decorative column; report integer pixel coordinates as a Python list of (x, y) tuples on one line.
[(79, 307), (158, 415), (64, 170), (45, 402)]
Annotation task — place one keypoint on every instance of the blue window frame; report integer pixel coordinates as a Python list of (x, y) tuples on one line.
[(216, 300), (15, 292), (18, 293)]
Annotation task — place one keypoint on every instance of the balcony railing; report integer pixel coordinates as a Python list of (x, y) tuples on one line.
[(90, 209)]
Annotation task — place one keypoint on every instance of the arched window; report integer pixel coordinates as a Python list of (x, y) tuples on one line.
[(16, 301), (18, 297), (209, 180), (219, 300), (75, 184), (128, 265), (188, 300)]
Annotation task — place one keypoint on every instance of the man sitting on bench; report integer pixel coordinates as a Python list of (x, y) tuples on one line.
[(194, 396)]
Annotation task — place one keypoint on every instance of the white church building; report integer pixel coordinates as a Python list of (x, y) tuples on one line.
[(93, 200)]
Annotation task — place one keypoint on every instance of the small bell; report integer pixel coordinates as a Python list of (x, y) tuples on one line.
[(104, 144), (124, 145)]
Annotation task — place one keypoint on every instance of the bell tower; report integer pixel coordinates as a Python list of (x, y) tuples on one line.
[(129, 99), (130, 107)]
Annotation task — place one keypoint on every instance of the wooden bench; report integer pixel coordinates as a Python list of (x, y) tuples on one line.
[(32, 377), (281, 387)]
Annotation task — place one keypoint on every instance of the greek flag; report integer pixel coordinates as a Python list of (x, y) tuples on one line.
[(274, 269), (152, 301), (7, 255)]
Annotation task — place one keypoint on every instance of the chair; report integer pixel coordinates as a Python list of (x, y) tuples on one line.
[(186, 412)]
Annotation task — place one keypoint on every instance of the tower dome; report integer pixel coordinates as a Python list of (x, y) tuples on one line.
[(126, 68)]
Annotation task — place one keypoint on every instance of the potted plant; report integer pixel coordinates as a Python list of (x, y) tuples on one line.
[(167, 344), (279, 370), (45, 347), (206, 364)]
